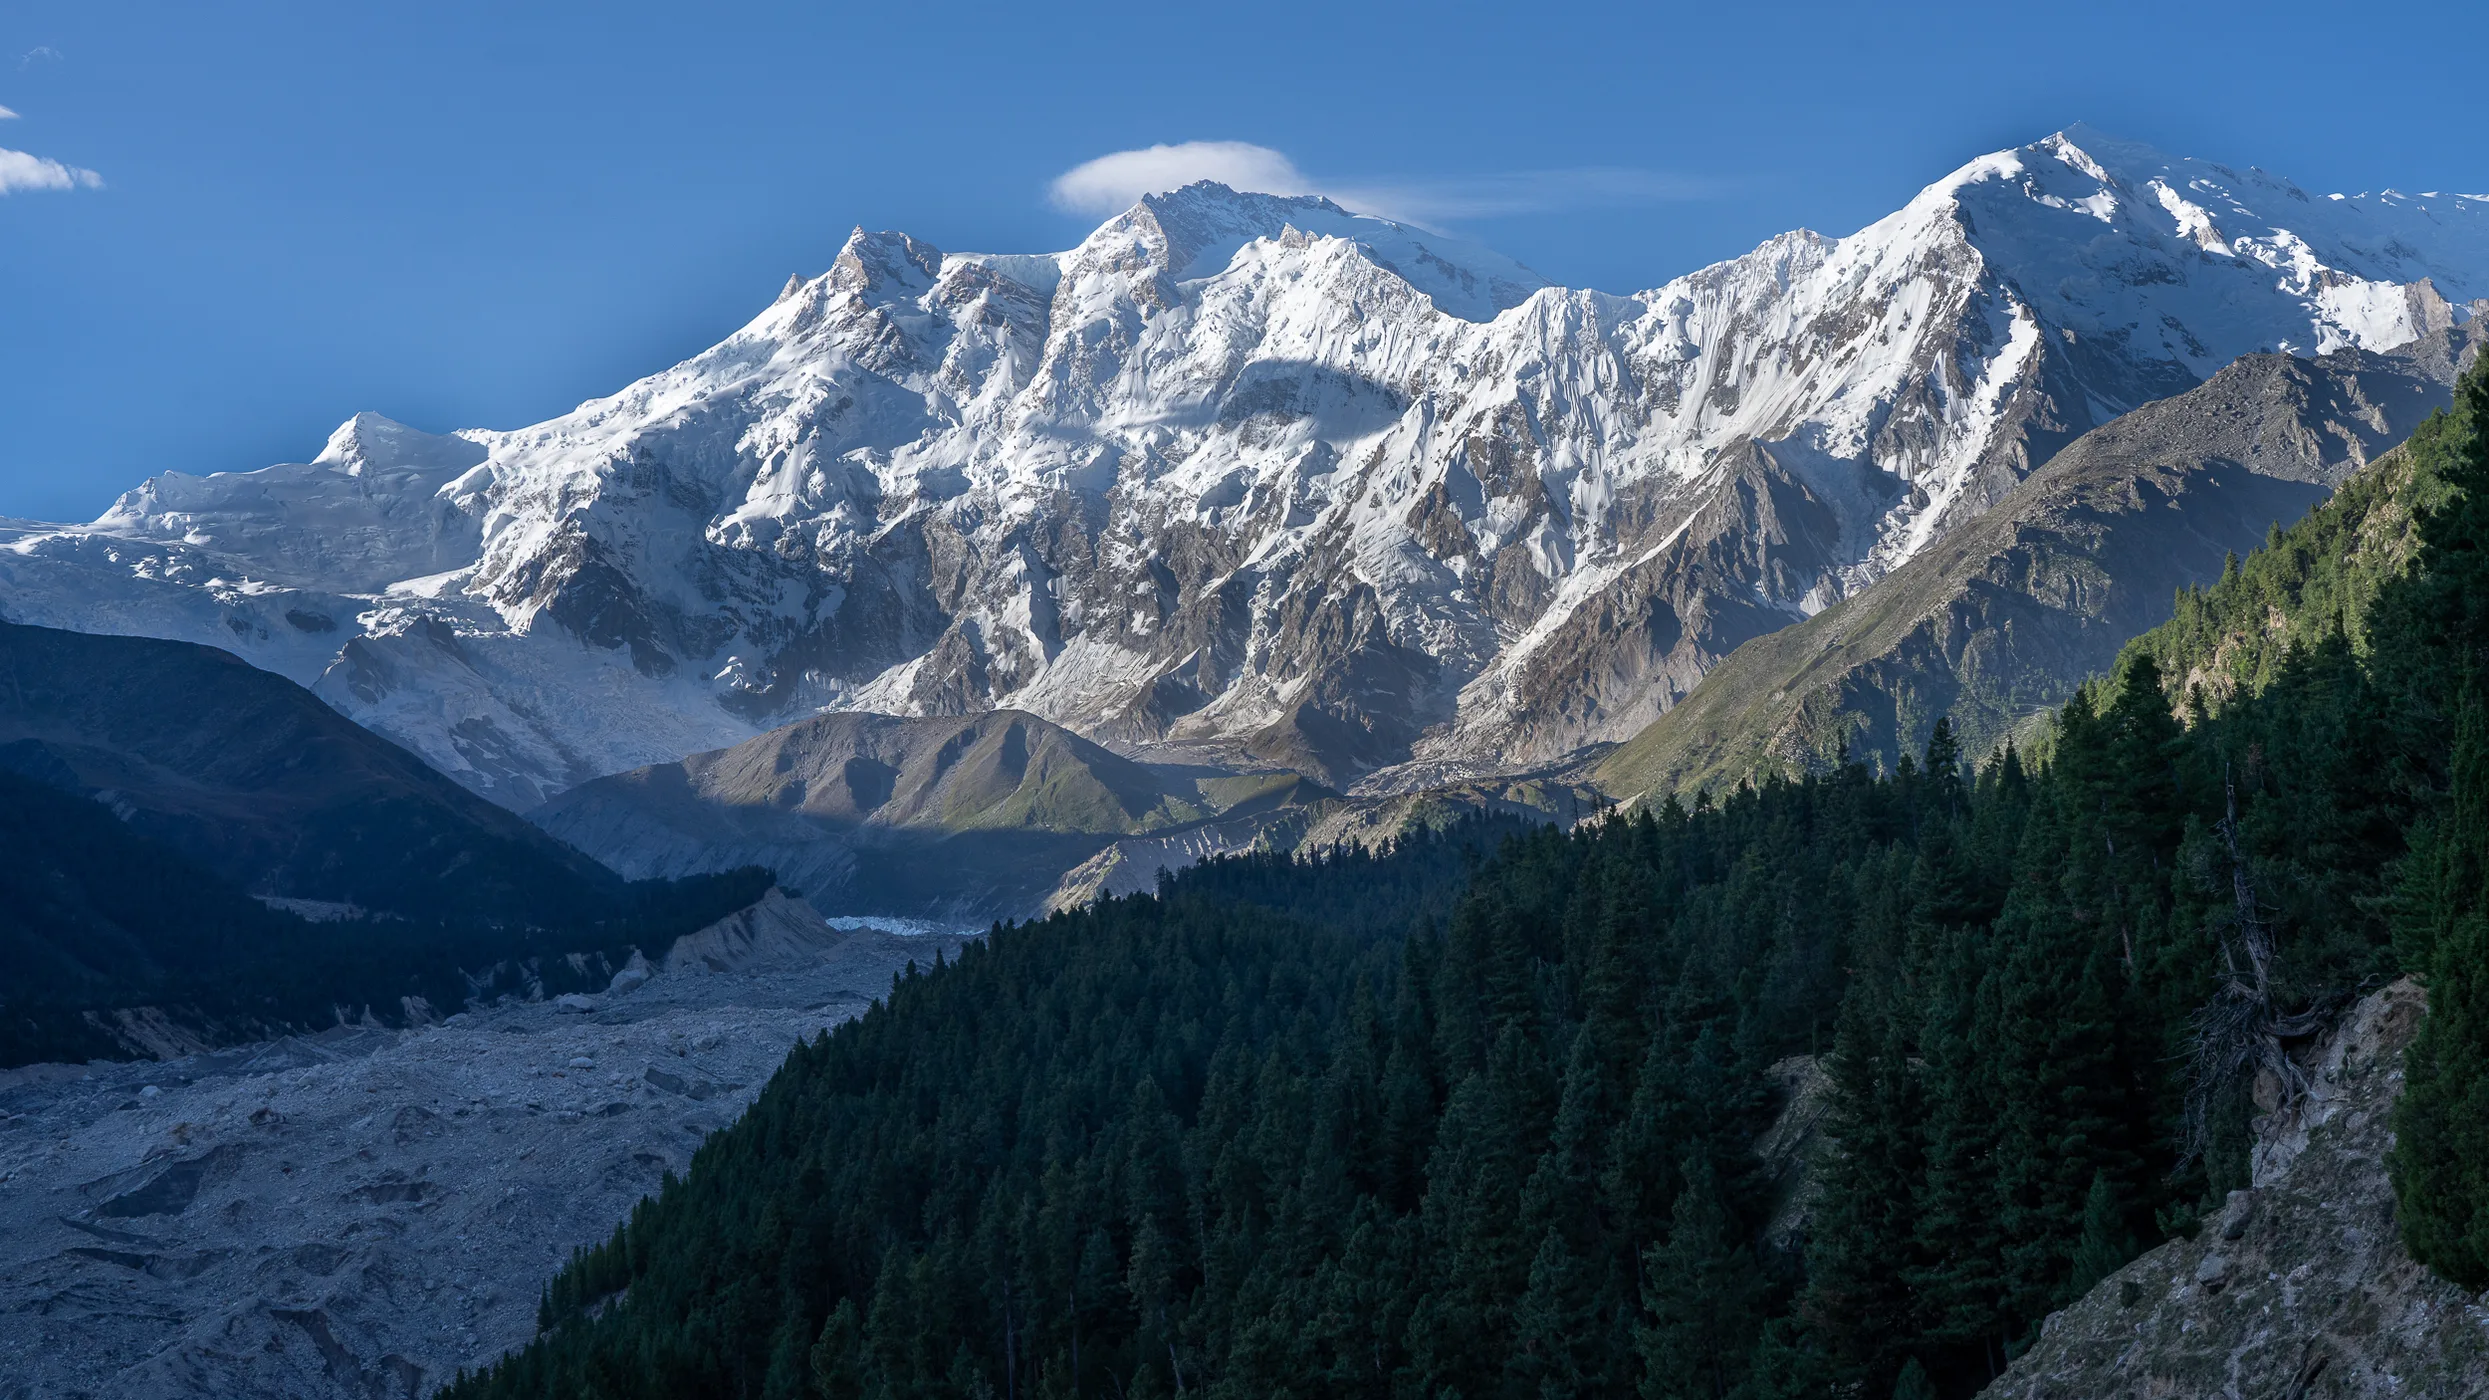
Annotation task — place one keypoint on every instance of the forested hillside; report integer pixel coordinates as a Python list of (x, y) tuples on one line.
[(1428, 1123)]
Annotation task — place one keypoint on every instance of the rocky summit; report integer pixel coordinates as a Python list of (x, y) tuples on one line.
[(1244, 479)]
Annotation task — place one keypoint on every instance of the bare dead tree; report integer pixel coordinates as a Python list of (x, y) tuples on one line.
[(2239, 1035)]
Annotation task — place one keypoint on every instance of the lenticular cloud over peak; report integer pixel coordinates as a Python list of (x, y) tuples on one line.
[(1114, 182)]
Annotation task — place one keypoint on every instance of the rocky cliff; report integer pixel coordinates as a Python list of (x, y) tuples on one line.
[(2299, 1287)]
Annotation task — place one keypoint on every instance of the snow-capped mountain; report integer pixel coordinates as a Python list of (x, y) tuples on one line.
[(1248, 475)]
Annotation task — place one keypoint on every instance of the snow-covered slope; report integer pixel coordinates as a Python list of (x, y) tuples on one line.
[(1244, 474)]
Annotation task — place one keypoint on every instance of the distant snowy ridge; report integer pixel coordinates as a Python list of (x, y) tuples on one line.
[(1245, 477)]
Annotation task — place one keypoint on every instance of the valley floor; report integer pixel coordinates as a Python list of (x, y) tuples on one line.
[(364, 1212)]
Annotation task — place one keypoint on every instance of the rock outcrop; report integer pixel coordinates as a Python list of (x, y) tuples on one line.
[(2299, 1287)]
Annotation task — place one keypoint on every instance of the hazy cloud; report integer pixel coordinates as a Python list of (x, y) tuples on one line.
[(20, 171), (40, 53), (1520, 192), (1113, 182)]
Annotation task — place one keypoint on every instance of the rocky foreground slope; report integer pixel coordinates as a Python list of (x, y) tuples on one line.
[(1249, 478), (363, 1212), (2299, 1288)]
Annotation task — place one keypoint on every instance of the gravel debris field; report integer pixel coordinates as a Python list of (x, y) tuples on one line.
[(363, 1212)]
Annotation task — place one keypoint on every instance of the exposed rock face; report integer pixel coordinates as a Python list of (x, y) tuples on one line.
[(2299, 1287), (1243, 476), (781, 933), (1792, 1149), (359, 1214), (2007, 614)]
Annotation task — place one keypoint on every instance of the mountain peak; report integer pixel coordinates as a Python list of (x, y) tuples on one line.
[(1193, 231), (373, 442), (1196, 231), (1206, 195), (2103, 145), (871, 262)]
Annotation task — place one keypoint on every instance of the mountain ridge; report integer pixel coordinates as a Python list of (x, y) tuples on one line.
[(2006, 617), (245, 773), (959, 817), (1244, 479)]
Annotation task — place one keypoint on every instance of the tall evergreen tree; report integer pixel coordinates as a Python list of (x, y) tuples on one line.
[(1703, 1289), (2440, 1162)]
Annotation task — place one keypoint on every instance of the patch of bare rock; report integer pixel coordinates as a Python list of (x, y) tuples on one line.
[(2299, 1287)]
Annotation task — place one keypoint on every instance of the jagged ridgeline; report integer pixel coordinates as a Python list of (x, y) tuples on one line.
[(1423, 1122), (1998, 623)]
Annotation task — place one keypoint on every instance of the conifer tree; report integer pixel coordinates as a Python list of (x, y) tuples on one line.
[(1861, 1247), (837, 1370), (2440, 1162), (1954, 1277), (2106, 1244), (1702, 1288)]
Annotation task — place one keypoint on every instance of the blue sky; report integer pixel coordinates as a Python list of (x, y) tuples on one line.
[(479, 214)]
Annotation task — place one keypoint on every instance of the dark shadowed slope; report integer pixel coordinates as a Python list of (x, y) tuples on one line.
[(254, 778), (94, 915)]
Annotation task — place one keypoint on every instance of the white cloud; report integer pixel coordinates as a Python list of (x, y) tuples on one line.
[(20, 171), (1114, 182), (6, 115)]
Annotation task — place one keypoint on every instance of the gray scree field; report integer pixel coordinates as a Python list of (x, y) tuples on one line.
[(362, 1212)]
